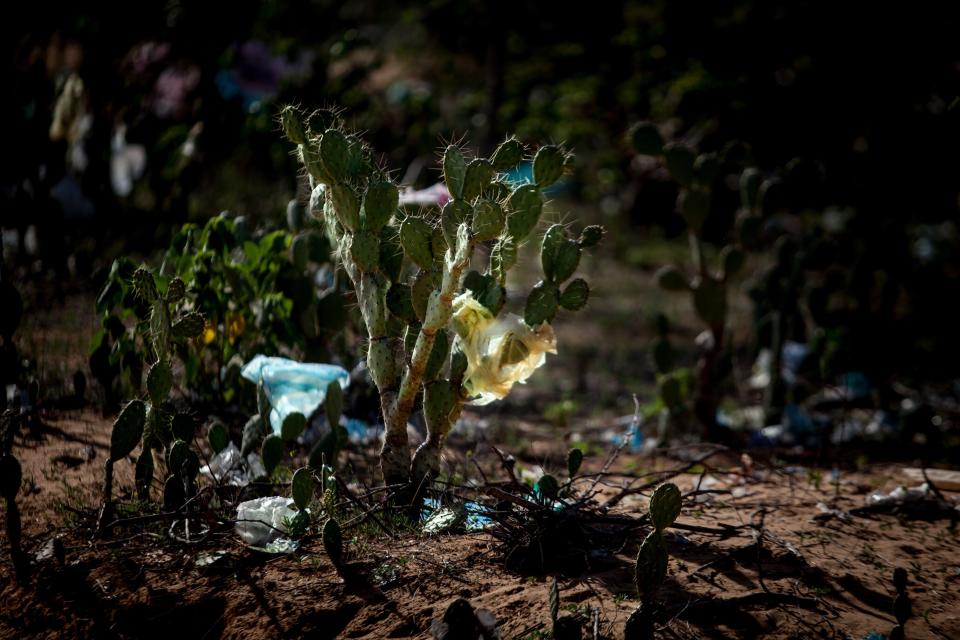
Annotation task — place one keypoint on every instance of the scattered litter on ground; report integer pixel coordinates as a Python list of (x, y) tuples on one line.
[(261, 520)]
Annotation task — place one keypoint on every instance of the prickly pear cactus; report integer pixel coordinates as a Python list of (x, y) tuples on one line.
[(652, 558), (436, 329), (151, 422), (696, 175)]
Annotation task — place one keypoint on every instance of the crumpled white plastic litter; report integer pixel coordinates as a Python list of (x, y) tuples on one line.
[(260, 521)]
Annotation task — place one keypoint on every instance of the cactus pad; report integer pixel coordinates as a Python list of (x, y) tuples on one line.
[(127, 429), (665, 505)]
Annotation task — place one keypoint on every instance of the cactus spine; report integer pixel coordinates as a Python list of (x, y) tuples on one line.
[(407, 305)]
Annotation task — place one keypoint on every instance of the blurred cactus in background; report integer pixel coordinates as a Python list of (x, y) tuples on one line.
[(706, 285), (411, 272)]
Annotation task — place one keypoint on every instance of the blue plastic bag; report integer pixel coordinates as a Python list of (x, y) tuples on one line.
[(291, 386)]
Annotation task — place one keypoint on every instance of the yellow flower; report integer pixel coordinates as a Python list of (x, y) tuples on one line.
[(209, 332), (500, 351), (235, 324)]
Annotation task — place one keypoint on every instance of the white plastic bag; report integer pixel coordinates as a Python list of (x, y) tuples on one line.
[(260, 521)]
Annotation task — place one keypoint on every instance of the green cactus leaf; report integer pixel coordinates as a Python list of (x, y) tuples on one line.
[(173, 493), (553, 240), (293, 425), (271, 451), (415, 238), (488, 220), (548, 165), (144, 286), (710, 301), (335, 154), (176, 290), (454, 170), (333, 541), (11, 475), (346, 206), (439, 400), (503, 257), (508, 155), (301, 488), (567, 260), (333, 403), (665, 505), (183, 426), (381, 362), (651, 565), (454, 213), (310, 157), (365, 251), (669, 278), (143, 474), (160, 381), (486, 290), (263, 404), (591, 236), (253, 432), (176, 456), (189, 325), (400, 303), (575, 296), (300, 251), (420, 293), (574, 461), (679, 159), (541, 304), (296, 213), (524, 207), (127, 429), (438, 355), (694, 206), (749, 188), (646, 139), (218, 437), (732, 258), (291, 119), (477, 178), (547, 487), (391, 253), (379, 204), (458, 366)]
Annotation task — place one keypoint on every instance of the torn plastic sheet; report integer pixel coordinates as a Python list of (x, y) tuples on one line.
[(291, 386), (261, 521), (227, 467), (440, 518)]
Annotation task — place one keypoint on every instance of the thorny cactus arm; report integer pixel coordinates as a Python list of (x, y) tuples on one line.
[(407, 311)]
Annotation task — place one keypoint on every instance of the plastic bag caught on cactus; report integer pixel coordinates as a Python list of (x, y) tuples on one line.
[(501, 351), (291, 386)]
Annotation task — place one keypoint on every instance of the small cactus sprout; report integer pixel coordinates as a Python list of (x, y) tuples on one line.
[(333, 541), (652, 559), (217, 437), (271, 452), (436, 330), (664, 506), (574, 460), (301, 488), (902, 607)]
